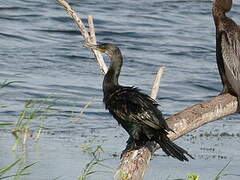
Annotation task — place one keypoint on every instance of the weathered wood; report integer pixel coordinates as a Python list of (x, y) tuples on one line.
[(76, 18), (98, 55), (156, 83), (132, 163), (88, 37), (199, 114)]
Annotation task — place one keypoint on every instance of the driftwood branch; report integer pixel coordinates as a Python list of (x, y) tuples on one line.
[(134, 163), (89, 37)]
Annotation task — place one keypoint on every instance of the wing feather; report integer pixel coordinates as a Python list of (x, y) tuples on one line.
[(231, 53), (129, 105)]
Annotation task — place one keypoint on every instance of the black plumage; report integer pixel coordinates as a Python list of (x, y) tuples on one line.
[(227, 48), (135, 111)]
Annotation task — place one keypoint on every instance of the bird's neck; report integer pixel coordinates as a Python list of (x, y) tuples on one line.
[(218, 14), (111, 78), (220, 8)]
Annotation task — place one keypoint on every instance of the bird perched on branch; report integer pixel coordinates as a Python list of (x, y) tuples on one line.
[(227, 48), (135, 111)]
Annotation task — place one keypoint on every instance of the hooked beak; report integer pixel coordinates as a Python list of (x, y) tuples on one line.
[(94, 47)]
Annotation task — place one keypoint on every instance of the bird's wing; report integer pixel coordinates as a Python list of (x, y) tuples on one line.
[(231, 52), (130, 105)]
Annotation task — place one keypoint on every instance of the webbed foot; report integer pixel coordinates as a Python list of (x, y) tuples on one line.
[(131, 145)]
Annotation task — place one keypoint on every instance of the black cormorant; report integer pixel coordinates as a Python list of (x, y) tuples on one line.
[(227, 48), (135, 111)]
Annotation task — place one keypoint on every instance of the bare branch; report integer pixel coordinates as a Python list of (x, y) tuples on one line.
[(156, 83), (76, 18), (92, 30), (84, 33), (93, 38)]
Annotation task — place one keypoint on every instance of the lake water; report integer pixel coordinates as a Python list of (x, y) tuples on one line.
[(42, 50)]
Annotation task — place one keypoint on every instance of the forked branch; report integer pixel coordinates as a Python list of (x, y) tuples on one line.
[(89, 37)]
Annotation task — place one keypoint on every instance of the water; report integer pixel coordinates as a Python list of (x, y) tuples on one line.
[(42, 50)]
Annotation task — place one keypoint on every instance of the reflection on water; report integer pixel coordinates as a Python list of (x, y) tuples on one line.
[(42, 50)]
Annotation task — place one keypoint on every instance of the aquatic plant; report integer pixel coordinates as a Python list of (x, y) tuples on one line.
[(5, 124), (6, 83), (36, 110), (2, 85), (79, 116), (94, 152), (220, 173), (4, 172), (191, 176)]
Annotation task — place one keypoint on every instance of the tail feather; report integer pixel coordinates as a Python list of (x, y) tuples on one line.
[(172, 149)]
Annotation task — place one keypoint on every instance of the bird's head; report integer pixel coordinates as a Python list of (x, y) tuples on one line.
[(107, 48), (224, 5)]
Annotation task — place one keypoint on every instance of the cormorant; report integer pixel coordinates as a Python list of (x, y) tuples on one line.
[(135, 111), (227, 48)]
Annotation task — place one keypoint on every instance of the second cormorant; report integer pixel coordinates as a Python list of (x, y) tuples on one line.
[(227, 48), (135, 111)]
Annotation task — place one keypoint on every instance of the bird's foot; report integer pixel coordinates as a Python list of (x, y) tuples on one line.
[(131, 145)]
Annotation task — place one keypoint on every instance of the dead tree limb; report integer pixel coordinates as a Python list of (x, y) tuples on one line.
[(93, 40), (156, 83), (84, 32), (134, 163)]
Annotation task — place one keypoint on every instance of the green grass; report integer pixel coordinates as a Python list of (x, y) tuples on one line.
[(5, 173), (34, 110), (80, 114), (5, 84), (221, 172), (191, 176), (219, 175), (95, 153), (6, 124), (2, 85)]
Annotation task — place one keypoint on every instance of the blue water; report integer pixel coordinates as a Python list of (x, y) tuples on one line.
[(42, 51)]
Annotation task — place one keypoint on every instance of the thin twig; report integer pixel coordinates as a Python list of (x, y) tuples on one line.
[(79, 116)]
